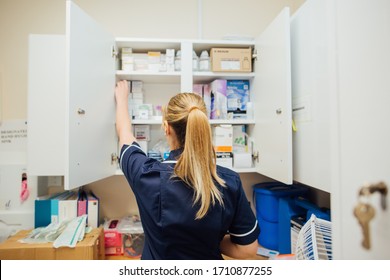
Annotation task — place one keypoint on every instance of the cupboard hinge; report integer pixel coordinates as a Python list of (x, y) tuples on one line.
[(254, 54), (114, 52), (114, 158), (255, 156)]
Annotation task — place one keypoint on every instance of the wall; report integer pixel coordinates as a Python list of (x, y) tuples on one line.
[(207, 19)]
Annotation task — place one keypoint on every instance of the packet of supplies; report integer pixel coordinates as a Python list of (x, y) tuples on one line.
[(74, 232), (45, 234)]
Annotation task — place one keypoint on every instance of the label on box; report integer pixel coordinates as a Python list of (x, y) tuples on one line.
[(237, 92), (142, 132)]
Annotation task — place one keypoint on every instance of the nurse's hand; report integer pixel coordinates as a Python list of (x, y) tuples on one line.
[(121, 92), (123, 122)]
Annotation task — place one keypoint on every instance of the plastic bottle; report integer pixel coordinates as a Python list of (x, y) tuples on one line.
[(178, 61), (195, 61), (204, 61)]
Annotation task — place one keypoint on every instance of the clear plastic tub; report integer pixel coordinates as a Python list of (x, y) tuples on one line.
[(133, 237)]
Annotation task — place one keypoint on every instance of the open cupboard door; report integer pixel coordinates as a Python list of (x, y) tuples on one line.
[(272, 134), (90, 104)]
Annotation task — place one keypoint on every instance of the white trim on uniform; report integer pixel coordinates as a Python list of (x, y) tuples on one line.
[(170, 161), (128, 147), (245, 234)]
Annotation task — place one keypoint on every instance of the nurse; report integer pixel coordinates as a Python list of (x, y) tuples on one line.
[(190, 207)]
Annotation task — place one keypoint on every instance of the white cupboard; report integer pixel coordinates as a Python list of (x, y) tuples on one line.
[(87, 146), (340, 88)]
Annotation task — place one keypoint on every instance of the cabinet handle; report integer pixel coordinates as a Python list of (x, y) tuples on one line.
[(279, 111), (81, 111)]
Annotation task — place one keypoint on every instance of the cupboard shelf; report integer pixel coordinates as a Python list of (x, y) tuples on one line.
[(202, 77), (150, 77), (213, 122), (238, 170)]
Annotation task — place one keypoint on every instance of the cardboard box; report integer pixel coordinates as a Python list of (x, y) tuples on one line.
[(90, 248), (231, 59), (223, 138)]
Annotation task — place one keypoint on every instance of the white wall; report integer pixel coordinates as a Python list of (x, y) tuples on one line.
[(123, 18)]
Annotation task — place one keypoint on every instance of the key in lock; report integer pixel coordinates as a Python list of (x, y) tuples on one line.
[(364, 212)]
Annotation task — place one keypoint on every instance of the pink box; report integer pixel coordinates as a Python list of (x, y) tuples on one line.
[(112, 238), (218, 99)]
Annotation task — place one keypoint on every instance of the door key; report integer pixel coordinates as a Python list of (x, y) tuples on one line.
[(364, 212)]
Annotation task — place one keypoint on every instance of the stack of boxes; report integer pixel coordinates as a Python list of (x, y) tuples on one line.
[(136, 97), (228, 99), (223, 144), (225, 99), (152, 61)]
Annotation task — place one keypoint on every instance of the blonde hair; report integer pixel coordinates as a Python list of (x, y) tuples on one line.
[(186, 114)]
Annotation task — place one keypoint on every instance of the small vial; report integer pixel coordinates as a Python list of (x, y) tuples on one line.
[(204, 61)]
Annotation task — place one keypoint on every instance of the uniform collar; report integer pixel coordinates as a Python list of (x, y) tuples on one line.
[(175, 154)]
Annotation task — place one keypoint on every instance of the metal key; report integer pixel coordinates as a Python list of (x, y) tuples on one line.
[(364, 213)]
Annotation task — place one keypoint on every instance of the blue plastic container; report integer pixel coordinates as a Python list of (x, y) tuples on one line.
[(267, 196), (268, 236), (266, 199), (289, 207)]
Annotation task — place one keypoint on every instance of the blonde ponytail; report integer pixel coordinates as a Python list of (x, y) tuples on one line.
[(186, 113)]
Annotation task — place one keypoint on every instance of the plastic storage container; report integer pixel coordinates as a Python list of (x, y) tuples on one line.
[(292, 207), (133, 237), (266, 198)]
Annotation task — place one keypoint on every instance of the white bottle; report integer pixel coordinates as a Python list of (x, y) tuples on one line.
[(195, 61), (204, 61), (178, 61)]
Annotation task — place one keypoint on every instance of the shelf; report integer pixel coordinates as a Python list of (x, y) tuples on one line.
[(240, 170), (143, 45), (210, 76), (213, 122), (150, 77), (200, 45)]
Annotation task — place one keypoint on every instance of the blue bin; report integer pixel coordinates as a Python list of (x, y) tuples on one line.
[(268, 237), (266, 199), (267, 196)]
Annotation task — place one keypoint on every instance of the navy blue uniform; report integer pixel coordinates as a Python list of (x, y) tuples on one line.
[(168, 214)]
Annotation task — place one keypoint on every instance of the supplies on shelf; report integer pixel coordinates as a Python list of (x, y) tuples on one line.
[(225, 99), (150, 61)]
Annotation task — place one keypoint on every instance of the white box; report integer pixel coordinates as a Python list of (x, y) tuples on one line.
[(142, 132), (136, 86), (239, 138), (223, 138), (225, 160), (242, 160)]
